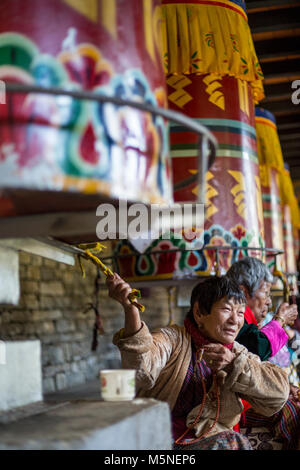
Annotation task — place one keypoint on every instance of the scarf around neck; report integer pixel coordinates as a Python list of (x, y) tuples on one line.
[(198, 339)]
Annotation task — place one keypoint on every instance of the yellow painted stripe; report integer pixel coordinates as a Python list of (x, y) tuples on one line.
[(109, 17), (149, 36), (87, 8)]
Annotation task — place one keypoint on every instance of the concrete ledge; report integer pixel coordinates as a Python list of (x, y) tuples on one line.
[(20, 374), (141, 424)]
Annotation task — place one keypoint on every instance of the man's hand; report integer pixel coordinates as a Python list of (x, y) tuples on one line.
[(217, 356), (294, 394), (119, 290), (287, 312)]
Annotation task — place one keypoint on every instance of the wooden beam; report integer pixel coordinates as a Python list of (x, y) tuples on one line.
[(288, 126), (288, 137), (268, 5), (279, 97), (292, 153), (282, 56), (268, 33), (286, 112), (291, 144), (282, 78)]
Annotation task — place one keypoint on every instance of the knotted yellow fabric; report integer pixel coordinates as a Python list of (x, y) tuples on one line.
[(91, 249), (210, 37)]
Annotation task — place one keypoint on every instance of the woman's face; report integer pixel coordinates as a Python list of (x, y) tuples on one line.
[(224, 321), (260, 302)]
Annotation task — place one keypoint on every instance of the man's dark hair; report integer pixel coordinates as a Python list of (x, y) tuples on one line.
[(210, 291)]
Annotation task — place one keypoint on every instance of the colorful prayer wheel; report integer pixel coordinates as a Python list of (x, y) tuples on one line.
[(213, 76), (62, 144), (290, 209), (271, 166)]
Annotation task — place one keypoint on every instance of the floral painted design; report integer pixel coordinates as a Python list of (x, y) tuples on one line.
[(209, 39), (234, 41), (77, 143), (190, 261), (239, 231), (195, 62), (166, 61), (86, 66), (244, 67)]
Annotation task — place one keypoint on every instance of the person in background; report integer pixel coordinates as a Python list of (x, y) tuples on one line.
[(199, 369), (266, 341)]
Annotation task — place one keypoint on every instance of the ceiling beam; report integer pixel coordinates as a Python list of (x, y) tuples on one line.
[(282, 78), (273, 32), (282, 56), (288, 137), (271, 98), (291, 154), (268, 5), (288, 126)]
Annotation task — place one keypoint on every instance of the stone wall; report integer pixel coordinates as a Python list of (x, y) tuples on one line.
[(54, 297)]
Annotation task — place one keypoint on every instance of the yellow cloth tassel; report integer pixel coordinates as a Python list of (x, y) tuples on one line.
[(97, 248), (210, 38)]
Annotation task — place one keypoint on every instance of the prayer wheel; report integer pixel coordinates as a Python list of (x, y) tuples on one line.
[(290, 209), (214, 77), (271, 167), (73, 146)]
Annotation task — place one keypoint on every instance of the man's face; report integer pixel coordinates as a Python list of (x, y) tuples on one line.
[(224, 321), (261, 301)]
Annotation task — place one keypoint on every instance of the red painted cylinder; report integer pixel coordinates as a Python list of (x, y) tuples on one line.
[(62, 144), (213, 77)]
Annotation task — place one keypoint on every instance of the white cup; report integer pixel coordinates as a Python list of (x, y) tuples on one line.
[(117, 384)]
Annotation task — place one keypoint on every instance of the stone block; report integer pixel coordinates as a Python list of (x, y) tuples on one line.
[(49, 385), (33, 272), (51, 288), (29, 287), (25, 258), (65, 326), (29, 301), (56, 355), (61, 381), (45, 328), (74, 379), (47, 274), (67, 349)]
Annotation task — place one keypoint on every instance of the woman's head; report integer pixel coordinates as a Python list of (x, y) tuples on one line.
[(218, 306), (255, 279)]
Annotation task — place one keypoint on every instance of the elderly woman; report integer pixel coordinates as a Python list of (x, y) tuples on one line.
[(255, 280), (199, 369)]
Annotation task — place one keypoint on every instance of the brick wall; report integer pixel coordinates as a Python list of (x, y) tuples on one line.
[(53, 299)]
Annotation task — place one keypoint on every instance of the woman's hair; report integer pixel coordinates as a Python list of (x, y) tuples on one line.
[(210, 291), (250, 273)]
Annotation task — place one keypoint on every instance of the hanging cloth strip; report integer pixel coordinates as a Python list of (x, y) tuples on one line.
[(91, 249)]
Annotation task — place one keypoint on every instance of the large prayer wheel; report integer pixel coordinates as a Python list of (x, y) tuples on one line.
[(213, 76), (290, 209), (271, 167), (62, 144), (233, 197)]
